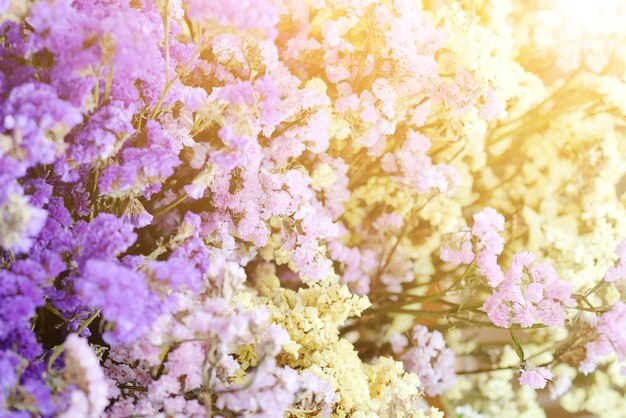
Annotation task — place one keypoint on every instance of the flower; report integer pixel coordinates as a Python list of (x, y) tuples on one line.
[(609, 338), (82, 368), (535, 378), (122, 295), (531, 292), (427, 356), (20, 222)]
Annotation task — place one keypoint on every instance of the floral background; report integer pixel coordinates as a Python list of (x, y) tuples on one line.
[(351, 208)]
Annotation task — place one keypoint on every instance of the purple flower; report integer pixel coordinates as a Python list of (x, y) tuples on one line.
[(271, 392), (104, 238), (122, 295), (145, 166), (103, 133), (28, 113), (426, 355), (257, 14)]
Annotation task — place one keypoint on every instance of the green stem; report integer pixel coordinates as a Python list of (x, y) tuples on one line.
[(465, 372), (94, 193), (595, 288), (171, 82), (58, 349), (54, 310), (55, 355), (108, 84), (88, 321), (478, 371), (170, 205)]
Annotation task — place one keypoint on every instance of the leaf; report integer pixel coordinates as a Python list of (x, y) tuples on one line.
[(519, 349)]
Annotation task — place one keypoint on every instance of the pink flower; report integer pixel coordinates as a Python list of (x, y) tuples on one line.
[(487, 223), (426, 355), (251, 15), (618, 271), (560, 386), (457, 248), (535, 378), (525, 315), (488, 266), (534, 292), (497, 311), (516, 267), (493, 106), (551, 313), (611, 338), (82, 367), (529, 293), (398, 342)]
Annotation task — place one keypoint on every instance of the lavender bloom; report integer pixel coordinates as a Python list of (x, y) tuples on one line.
[(426, 355), (37, 119), (104, 238), (103, 134), (122, 295)]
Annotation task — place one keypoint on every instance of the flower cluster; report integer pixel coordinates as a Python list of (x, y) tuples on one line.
[(460, 247), (426, 355), (89, 397), (530, 293), (535, 378), (263, 208), (609, 338)]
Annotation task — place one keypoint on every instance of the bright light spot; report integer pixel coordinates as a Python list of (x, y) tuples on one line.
[(592, 17)]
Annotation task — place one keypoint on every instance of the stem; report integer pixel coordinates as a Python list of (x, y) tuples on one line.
[(366, 51), (134, 388), (97, 87), (444, 292), (107, 86), (166, 29), (403, 232), (535, 108), (54, 310), (171, 205), (460, 279), (171, 82), (595, 288), (161, 368), (487, 324), (59, 348), (416, 312), (477, 371), (55, 355), (591, 308), (88, 321), (94, 193), (464, 372), (545, 350)]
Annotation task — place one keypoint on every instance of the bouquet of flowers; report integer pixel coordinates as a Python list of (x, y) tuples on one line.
[(312, 208)]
